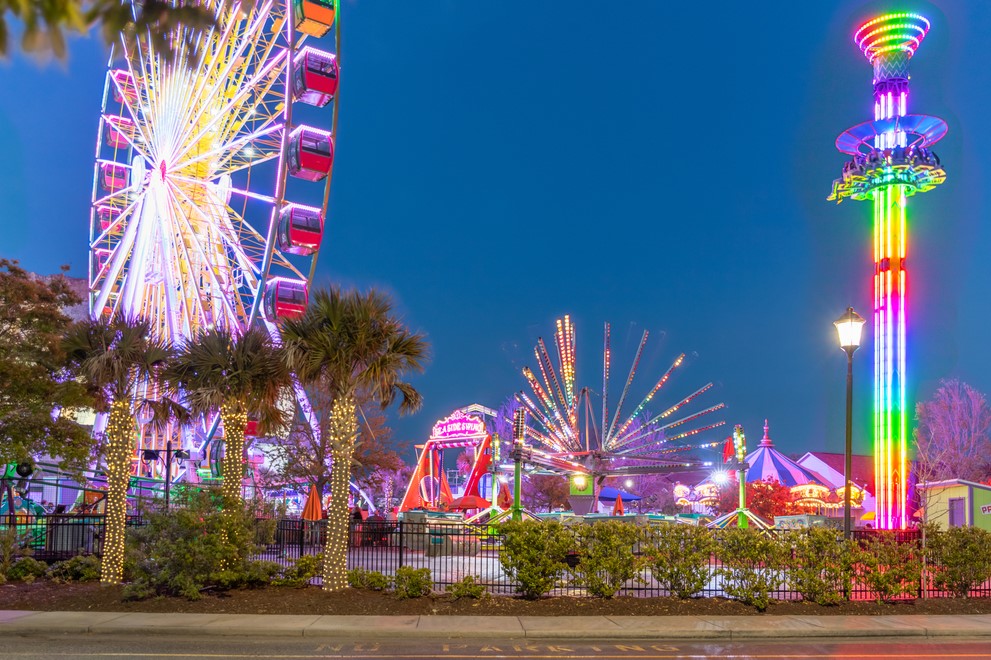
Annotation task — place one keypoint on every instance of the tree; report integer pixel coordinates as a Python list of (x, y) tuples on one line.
[(239, 374), (952, 434), (36, 396), (375, 459), (157, 22), (765, 498), (110, 358), (345, 345), (544, 492), (304, 456)]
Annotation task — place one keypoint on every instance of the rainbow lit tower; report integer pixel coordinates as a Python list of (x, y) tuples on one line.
[(891, 161)]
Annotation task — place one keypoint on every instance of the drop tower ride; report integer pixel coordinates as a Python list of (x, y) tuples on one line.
[(890, 161)]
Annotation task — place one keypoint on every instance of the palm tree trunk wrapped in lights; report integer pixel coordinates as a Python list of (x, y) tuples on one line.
[(235, 421), (349, 344), (119, 447), (111, 358), (343, 428)]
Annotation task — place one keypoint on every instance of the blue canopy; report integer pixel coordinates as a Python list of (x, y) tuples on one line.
[(610, 494)]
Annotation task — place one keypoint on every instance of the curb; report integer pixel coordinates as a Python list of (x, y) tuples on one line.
[(496, 627)]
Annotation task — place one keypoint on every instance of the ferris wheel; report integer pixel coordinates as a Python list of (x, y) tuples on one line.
[(212, 174)]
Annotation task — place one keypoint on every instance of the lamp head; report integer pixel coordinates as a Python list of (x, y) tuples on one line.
[(849, 328)]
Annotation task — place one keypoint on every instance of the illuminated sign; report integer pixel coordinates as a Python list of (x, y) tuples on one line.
[(458, 425)]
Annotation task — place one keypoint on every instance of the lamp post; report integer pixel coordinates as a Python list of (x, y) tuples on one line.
[(848, 327), (177, 456)]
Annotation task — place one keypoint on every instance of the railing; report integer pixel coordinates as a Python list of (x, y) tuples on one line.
[(450, 551), (56, 537)]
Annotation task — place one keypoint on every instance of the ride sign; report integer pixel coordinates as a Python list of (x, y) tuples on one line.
[(458, 425)]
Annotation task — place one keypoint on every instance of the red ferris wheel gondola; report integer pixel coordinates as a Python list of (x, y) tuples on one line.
[(300, 229), (311, 153), (315, 77), (285, 298)]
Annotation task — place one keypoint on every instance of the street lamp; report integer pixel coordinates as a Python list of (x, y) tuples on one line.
[(177, 456), (848, 327)]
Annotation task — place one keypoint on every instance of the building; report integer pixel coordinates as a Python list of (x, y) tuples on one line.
[(956, 503), (829, 469)]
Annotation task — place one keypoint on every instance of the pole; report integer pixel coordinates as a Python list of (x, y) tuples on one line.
[(848, 457), (517, 479), (168, 471), (741, 517)]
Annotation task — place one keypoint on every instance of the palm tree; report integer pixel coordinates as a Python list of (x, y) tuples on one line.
[(241, 374), (111, 358), (348, 344)]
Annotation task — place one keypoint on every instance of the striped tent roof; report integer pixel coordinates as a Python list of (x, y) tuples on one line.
[(767, 463)]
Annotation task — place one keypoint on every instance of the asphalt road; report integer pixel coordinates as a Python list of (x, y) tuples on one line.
[(94, 647)]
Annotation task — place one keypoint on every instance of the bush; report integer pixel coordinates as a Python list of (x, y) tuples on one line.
[(81, 568), (467, 587), (12, 546), (889, 567), (821, 567), (359, 578), (962, 559), (751, 565), (194, 545), (678, 556), (606, 558), (533, 554), (27, 569), (303, 570), (412, 582)]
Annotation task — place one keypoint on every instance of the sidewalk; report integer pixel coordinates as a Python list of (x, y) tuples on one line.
[(17, 622)]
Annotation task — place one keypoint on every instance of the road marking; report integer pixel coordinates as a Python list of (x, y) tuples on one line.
[(607, 656)]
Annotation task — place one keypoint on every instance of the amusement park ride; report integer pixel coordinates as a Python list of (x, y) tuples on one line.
[(203, 164), (561, 423), (891, 161)]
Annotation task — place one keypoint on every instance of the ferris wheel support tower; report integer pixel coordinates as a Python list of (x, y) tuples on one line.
[(891, 161)]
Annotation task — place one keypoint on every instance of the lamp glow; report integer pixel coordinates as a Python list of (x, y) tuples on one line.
[(849, 327)]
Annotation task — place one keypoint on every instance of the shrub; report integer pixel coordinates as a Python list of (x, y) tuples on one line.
[(821, 567), (412, 582), (12, 546), (533, 554), (467, 587), (678, 556), (81, 568), (606, 558), (752, 562), (962, 559), (303, 569), (27, 569), (194, 545), (359, 578), (887, 566)]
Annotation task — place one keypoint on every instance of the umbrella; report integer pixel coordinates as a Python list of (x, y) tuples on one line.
[(505, 498), (609, 494), (313, 510), (470, 502), (617, 509)]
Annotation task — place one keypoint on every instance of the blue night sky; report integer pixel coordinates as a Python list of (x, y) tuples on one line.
[(657, 165)]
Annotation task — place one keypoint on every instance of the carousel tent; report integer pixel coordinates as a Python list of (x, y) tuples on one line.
[(768, 464)]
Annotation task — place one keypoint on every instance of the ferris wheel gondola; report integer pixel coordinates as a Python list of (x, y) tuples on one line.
[(209, 199)]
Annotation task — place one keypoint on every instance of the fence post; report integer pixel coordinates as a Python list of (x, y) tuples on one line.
[(402, 544)]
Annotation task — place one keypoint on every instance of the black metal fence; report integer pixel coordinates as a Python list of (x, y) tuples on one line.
[(451, 552), (56, 537)]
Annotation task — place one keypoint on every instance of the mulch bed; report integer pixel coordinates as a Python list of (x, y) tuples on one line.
[(312, 600)]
